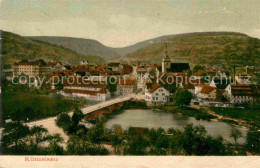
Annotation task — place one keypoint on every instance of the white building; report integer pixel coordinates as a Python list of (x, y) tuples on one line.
[(88, 89), (34, 68), (208, 93), (240, 93), (115, 66), (84, 62), (157, 95)]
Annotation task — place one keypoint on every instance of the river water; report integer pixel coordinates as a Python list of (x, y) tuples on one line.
[(165, 120)]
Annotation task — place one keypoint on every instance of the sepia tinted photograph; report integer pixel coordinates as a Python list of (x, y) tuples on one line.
[(129, 78)]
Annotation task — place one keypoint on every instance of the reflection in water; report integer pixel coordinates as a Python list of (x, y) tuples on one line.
[(157, 119)]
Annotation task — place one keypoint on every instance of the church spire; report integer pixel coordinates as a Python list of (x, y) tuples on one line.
[(166, 61)]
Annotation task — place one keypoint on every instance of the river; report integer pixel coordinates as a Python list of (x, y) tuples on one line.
[(165, 120)]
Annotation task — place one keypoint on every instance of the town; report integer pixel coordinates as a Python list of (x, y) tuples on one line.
[(157, 84), (98, 93)]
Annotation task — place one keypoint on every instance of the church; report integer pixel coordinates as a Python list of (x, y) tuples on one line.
[(170, 67)]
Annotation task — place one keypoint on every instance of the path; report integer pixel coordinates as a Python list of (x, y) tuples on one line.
[(49, 123), (240, 121)]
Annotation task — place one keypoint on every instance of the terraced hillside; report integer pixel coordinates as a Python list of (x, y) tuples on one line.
[(223, 49)]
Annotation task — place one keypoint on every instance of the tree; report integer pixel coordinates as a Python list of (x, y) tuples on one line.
[(198, 67), (117, 137), (137, 145), (76, 146), (15, 133), (205, 78), (253, 141), (152, 73), (183, 97), (63, 121), (38, 135), (236, 134), (95, 134), (77, 116), (54, 146), (111, 85)]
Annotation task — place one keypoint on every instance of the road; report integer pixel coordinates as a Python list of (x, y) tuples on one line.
[(50, 125)]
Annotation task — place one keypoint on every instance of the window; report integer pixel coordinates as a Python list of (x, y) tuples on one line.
[(163, 94), (156, 98)]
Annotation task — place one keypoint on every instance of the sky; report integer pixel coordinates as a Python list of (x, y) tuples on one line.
[(119, 23)]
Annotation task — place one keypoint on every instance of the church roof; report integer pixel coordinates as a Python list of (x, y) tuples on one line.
[(178, 67)]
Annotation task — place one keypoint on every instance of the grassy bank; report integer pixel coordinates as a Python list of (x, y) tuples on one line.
[(252, 116), (198, 114)]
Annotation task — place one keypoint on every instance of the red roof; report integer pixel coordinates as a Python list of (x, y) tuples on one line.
[(29, 63), (245, 89), (207, 89), (154, 87), (87, 92), (80, 82), (188, 86), (198, 73), (113, 64), (126, 82)]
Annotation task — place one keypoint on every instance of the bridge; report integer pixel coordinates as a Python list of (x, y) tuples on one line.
[(50, 125)]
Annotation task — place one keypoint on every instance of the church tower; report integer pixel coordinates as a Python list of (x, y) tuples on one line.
[(166, 62)]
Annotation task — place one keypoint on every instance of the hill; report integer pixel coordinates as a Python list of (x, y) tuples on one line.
[(81, 46), (17, 47), (209, 48)]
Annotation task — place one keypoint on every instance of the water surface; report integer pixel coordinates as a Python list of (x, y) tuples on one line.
[(165, 120)]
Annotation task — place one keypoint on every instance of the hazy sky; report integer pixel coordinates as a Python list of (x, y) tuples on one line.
[(121, 23)]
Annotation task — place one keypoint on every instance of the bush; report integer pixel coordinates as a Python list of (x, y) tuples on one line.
[(63, 121)]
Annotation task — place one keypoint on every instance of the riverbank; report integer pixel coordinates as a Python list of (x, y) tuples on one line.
[(249, 118), (198, 114)]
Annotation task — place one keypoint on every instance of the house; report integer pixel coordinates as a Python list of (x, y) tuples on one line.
[(213, 72), (84, 88), (125, 86), (82, 70), (54, 65), (198, 74), (207, 93), (66, 67), (157, 94), (220, 83), (115, 66), (198, 88), (33, 68), (84, 62), (127, 69), (242, 93)]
